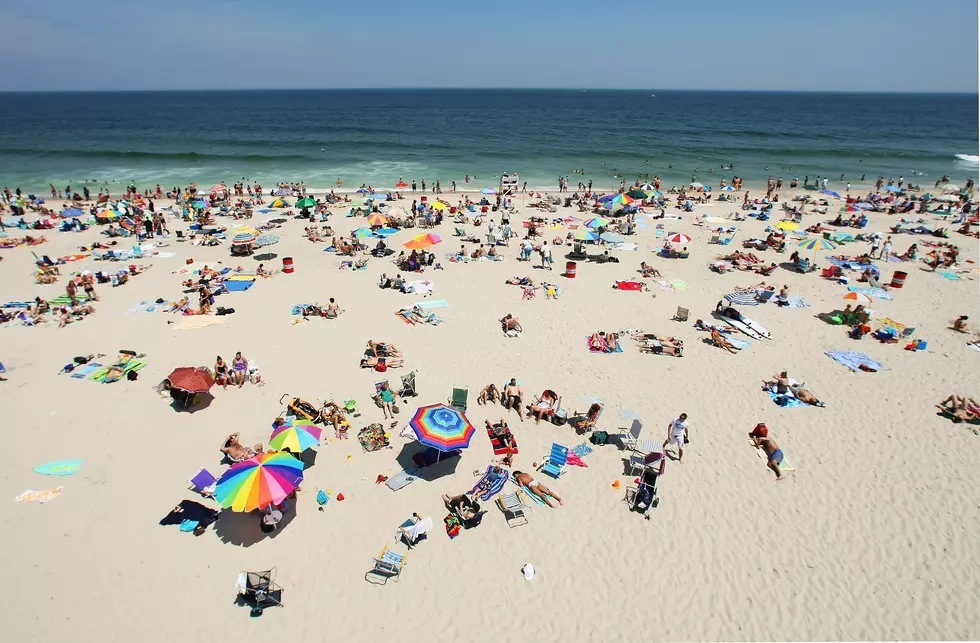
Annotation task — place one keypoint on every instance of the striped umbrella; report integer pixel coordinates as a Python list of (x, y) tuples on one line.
[(244, 236), (442, 427), (258, 482), (597, 222), (377, 219), (363, 233), (742, 298), (394, 212), (678, 237), (423, 241), (586, 235), (815, 243), (297, 436), (859, 297)]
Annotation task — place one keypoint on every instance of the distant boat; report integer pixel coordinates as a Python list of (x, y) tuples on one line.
[(653, 95)]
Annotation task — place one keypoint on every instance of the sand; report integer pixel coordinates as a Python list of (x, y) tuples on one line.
[(874, 536)]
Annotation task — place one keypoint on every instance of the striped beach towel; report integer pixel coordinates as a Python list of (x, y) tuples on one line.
[(742, 298), (495, 487)]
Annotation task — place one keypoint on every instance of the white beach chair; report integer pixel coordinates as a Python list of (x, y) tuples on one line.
[(630, 438)]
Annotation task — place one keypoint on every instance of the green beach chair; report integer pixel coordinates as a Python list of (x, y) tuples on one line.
[(458, 400)]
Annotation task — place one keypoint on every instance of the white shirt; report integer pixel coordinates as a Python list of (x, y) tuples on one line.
[(546, 251), (678, 427), (526, 244)]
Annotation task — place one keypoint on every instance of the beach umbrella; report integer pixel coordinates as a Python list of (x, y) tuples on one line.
[(863, 206), (892, 188), (244, 235), (442, 427), (218, 187), (377, 196), (612, 237), (488, 191), (728, 188), (394, 212), (266, 240), (636, 193), (297, 436), (655, 194), (200, 204), (534, 195), (423, 241), (678, 237), (258, 482), (386, 232), (376, 219), (279, 203), (72, 212), (439, 205), (362, 233), (859, 297), (830, 193), (401, 184), (306, 203), (608, 197), (742, 298), (947, 198), (585, 235), (814, 243), (696, 185), (191, 379), (362, 191), (648, 187), (597, 222), (787, 225)]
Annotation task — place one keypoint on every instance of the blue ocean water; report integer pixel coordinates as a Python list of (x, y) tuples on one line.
[(381, 136)]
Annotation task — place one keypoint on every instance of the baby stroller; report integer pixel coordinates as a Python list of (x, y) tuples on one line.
[(259, 590), (408, 385), (645, 496), (300, 408)]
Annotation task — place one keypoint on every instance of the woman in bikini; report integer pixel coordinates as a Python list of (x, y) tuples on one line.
[(537, 489)]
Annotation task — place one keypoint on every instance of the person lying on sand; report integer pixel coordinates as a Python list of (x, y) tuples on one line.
[(959, 324), (520, 281), (484, 487), (236, 452), (963, 409), (721, 342), (373, 362), (513, 397), (721, 328), (537, 489), (805, 396), (488, 394), (381, 349), (466, 508), (773, 452)]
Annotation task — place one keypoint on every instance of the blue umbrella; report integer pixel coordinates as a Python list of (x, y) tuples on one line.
[(830, 193), (892, 188), (863, 206), (199, 205), (728, 188), (377, 196), (71, 212), (608, 197), (362, 190), (385, 232), (612, 237)]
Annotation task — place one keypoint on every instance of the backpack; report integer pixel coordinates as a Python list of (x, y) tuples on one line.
[(599, 438)]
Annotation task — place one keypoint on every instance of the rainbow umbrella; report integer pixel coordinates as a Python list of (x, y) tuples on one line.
[(655, 194), (678, 237), (618, 202), (597, 222), (297, 436), (377, 219), (814, 243), (586, 235), (442, 427), (423, 241), (258, 482)]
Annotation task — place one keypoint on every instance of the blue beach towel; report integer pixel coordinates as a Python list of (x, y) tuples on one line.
[(83, 372), (581, 450), (854, 360), (434, 303), (880, 293), (238, 286), (790, 400)]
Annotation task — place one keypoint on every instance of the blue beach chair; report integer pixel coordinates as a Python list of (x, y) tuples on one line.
[(554, 463)]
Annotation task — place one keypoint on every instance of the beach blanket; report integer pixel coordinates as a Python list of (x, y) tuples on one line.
[(528, 493), (888, 322), (238, 285), (619, 348), (854, 360), (737, 343), (491, 489), (629, 285), (64, 468), (784, 466), (949, 275), (419, 287), (431, 303), (679, 284), (665, 285), (787, 400), (796, 302), (195, 322), (372, 438), (83, 372), (880, 293), (575, 460), (39, 496), (581, 450)]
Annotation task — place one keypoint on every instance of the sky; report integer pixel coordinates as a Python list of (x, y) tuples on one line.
[(827, 45)]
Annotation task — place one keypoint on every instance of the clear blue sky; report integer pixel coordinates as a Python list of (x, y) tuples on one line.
[(872, 45)]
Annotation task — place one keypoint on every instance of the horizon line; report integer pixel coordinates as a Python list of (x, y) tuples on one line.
[(471, 89)]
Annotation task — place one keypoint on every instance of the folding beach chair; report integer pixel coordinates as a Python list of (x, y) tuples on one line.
[(203, 483), (408, 385), (259, 590), (413, 530), (458, 400), (682, 314), (554, 463), (388, 564), (513, 507), (715, 239), (629, 439)]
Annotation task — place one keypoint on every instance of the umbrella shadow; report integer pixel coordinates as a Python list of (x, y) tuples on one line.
[(446, 466), (205, 402), (265, 256), (245, 528)]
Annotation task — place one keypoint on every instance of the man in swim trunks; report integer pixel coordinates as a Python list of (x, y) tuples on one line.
[(774, 453), (537, 489), (236, 451), (677, 434), (513, 397)]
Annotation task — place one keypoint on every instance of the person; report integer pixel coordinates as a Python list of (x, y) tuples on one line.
[(221, 374), (488, 394), (235, 451), (513, 397), (385, 362), (546, 259), (72, 290), (466, 508), (387, 398), (239, 369), (495, 474), (963, 409), (333, 414), (648, 270), (959, 324), (721, 341), (773, 452), (677, 434), (381, 349), (543, 405), (521, 281), (333, 309), (805, 396), (537, 489), (510, 325), (88, 283), (781, 382), (886, 248)]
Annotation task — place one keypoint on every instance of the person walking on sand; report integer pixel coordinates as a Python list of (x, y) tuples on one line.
[(677, 434), (886, 249), (875, 244), (546, 259)]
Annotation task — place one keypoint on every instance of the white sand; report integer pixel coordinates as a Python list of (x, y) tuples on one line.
[(873, 537)]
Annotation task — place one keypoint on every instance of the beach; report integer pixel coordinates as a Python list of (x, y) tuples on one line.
[(871, 536)]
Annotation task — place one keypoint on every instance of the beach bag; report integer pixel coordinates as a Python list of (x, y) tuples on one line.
[(599, 438), (132, 375), (381, 367)]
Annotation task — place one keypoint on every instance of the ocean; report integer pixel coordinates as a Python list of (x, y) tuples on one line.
[(380, 136)]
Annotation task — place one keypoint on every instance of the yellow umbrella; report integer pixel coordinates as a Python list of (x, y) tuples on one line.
[(787, 225), (439, 205), (377, 219)]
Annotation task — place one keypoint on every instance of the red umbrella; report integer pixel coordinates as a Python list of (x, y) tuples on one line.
[(401, 184), (191, 379)]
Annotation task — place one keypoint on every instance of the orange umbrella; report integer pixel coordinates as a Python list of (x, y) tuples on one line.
[(858, 296), (423, 241)]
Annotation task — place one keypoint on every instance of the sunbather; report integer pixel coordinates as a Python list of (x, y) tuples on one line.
[(721, 328), (649, 271), (510, 325), (963, 409), (221, 373), (513, 398), (466, 508), (374, 362), (387, 398), (805, 396), (495, 474), (542, 405), (718, 340), (779, 383), (333, 414), (237, 452), (773, 452), (520, 281), (381, 349), (488, 394), (537, 489), (959, 324)]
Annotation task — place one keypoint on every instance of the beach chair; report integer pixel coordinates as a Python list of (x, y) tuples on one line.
[(715, 239), (589, 420), (259, 589), (554, 463), (203, 483), (458, 400), (682, 314), (387, 565), (629, 439), (414, 530), (513, 507), (408, 385)]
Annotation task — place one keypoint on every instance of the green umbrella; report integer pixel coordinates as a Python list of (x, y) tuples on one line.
[(306, 203), (637, 194)]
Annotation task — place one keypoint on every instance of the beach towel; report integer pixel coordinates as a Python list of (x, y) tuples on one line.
[(737, 343), (580, 450), (796, 302), (39, 496), (418, 287), (297, 309), (619, 348), (679, 284), (880, 293), (790, 400), (431, 303), (128, 365), (949, 275), (64, 468), (665, 285), (629, 285), (854, 360), (575, 460), (17, 304), (784, 466), (82, 372), (494, 488), (238, 285), (528, 493)]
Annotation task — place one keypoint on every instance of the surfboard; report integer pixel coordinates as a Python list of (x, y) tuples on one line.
[(63, 468)]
